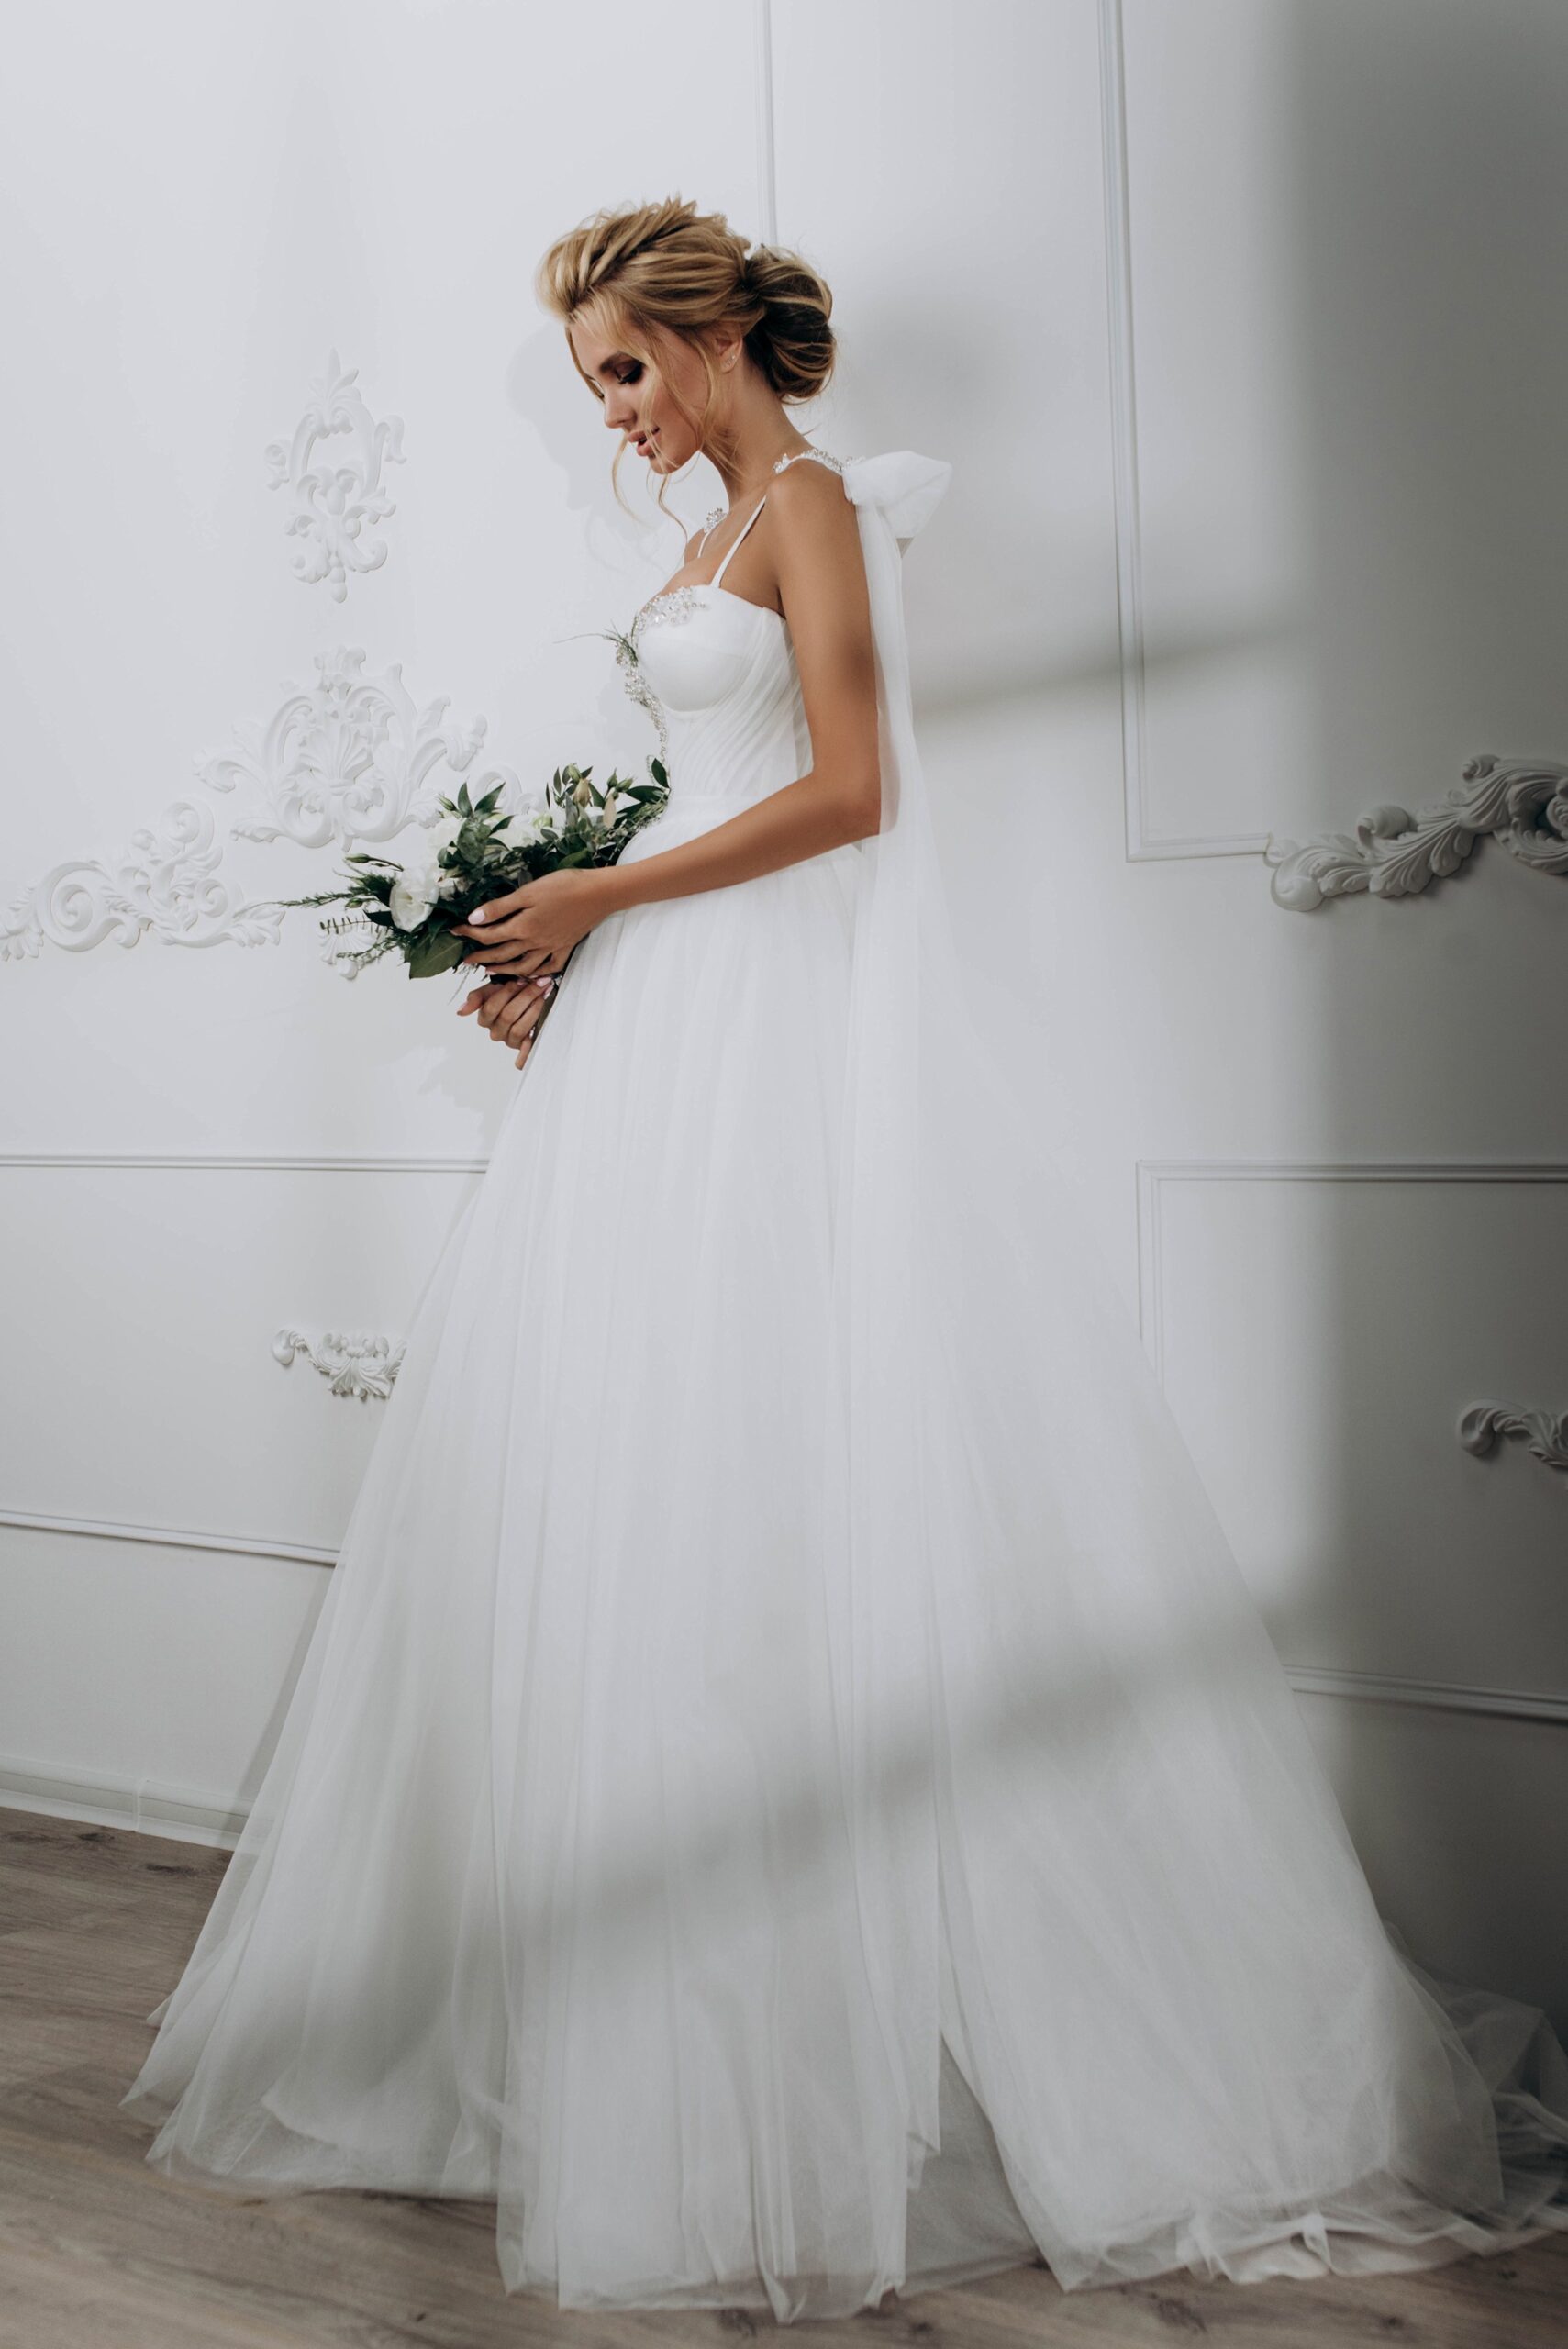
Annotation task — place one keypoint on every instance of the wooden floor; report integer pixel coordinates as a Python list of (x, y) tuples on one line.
[(97, 2251)]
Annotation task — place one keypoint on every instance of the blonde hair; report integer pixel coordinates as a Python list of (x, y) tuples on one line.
[(655, 270)]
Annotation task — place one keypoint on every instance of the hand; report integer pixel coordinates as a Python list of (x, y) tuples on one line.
[(535, 927), (512, 1010)]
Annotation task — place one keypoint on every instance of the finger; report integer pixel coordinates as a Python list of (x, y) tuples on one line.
[(500, 953), (495, 934), (494, 908), (524, 1018), (517, 960), (536, 1016), (475, 1000), (529, 1042), (523, 1025), (515, 993), (501, 1006)]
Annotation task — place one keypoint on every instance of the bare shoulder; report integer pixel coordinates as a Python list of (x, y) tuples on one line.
[(825, 596), (807, 492), (815, 527)]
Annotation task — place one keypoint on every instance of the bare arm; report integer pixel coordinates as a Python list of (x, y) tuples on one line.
[(816, 543)]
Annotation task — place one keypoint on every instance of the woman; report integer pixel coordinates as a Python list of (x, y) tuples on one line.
[(788, 1792)]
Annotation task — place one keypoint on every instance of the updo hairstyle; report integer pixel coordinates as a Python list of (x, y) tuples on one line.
[(668, 268)]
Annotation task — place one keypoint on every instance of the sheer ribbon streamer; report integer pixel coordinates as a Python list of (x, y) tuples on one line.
[(1086, 1803)]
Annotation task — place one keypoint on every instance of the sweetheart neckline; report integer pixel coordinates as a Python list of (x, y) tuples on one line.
[(713, 589)]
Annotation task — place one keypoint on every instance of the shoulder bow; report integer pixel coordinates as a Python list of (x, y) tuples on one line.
[(904, 487)]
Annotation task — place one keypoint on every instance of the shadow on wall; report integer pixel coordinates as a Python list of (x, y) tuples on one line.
[(1430, 223)]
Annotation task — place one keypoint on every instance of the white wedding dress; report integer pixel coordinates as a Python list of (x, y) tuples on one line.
[(788, 1793)]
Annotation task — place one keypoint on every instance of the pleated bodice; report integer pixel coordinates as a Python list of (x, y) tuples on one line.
[(718, 678)]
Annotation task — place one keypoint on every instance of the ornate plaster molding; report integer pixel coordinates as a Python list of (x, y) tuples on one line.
[(1522, 804), (333, 504), (348, 758), (1545, 1433), (356, 1366), (165, 880)]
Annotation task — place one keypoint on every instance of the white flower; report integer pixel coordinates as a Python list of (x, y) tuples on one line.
[(442, 834), (413, 895)]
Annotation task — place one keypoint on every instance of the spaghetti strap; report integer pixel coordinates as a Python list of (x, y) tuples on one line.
[(822, 456), (725, 564)]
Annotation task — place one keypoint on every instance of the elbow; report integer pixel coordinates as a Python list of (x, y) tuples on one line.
[(862, 810)]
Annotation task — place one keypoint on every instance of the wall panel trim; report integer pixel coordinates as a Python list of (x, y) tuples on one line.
[(767, 231), (167, 1536), (1154, 1176), (247, 1162), (1143, 844)]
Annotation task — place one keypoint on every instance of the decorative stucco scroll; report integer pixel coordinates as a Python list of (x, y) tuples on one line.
[(333, 504), (1545, 1433), (352, 759), (166, 881), (1522, 804), (355, 1365)]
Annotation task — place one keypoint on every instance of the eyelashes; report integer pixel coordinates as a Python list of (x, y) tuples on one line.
[(633, 376)]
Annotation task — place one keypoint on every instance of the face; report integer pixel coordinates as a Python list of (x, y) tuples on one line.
[(638, 407)]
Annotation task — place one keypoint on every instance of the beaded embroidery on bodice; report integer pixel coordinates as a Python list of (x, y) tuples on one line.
[(679, 603)]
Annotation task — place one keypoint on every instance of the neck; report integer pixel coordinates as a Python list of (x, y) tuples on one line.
[(759, 433)]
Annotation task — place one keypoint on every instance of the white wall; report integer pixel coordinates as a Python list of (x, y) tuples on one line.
[(1238, 323)]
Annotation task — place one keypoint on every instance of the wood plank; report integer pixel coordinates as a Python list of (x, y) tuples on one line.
[(98, 2251)]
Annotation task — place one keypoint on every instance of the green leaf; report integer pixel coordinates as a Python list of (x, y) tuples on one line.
[(430, 956)]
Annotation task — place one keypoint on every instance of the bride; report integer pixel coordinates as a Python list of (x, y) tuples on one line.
[(788, 1793)]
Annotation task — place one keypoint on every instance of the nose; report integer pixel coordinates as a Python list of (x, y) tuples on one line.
[(619, 413)]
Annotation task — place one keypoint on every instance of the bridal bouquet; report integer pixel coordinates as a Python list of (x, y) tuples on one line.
[(470, 853)]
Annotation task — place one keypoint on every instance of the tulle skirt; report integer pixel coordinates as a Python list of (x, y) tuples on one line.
[(746, 1939)]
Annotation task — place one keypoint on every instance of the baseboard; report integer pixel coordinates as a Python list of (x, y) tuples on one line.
[(143, 1805)]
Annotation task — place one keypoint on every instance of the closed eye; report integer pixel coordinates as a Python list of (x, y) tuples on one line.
[(633, 376)]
